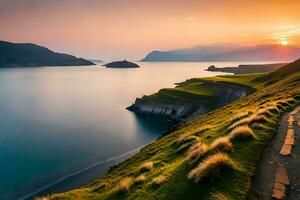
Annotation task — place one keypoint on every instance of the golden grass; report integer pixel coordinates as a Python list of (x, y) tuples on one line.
[(140, 179), (257, 125), (189, 139), (197, 151), (221, 144), (242, 122), (187, 142), (218, 196), (210, 165), (159, 180), (273, 109), (125, 184), (42, 198), (298, 123), (146, 167), (260, 118), (242, 132), (239, 116)]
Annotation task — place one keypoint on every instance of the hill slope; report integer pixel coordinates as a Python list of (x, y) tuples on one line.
[(211, 157), (31, 55)]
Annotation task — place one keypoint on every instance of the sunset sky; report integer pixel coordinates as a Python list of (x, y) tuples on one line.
[(117, 29)]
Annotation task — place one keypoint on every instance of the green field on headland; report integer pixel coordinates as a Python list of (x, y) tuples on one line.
[(211, 157), (196, 96)]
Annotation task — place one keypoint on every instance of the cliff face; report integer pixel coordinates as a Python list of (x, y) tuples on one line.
[(31, 55), (185, 106)]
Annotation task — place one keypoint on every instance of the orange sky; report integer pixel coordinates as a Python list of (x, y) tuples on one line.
[(117, 29)]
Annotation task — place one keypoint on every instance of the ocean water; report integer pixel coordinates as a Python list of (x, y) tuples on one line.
[(61, 127)]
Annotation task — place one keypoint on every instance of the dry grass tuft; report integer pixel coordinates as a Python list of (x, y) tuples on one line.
[(125, 184), (159, 180), (245, 121), (185, 139), (187, 142), (140, 179), (146, 167), (273, 109), (202, 130), (190, 139), (239, 116), (298, 123), (197, 151), (221, 144), (242, 132), (213, 164), (218, 196), (260, 118)]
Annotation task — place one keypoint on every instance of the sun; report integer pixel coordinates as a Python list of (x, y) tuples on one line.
[(284, 42)]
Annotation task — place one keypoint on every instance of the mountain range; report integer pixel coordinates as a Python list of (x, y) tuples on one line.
[(226, 52)]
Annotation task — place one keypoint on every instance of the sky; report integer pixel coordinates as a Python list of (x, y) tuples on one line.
[(129, 29)]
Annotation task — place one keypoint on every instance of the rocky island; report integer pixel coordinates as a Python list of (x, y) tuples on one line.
[(32, 55), (121, 64)]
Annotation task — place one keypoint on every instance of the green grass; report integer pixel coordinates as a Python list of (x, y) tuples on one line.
[(204, 88), (173, 167)]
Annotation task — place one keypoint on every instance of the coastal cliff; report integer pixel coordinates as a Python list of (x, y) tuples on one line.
[(191, 98)]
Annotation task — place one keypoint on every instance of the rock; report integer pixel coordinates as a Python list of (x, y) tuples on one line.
[(211, 68), (121, 64)]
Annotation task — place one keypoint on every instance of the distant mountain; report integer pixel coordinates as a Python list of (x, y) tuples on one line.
[(31, 55), (226, 53), (96, 60)]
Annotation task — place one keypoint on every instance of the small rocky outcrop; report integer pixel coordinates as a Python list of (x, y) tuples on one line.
[(121, 64)]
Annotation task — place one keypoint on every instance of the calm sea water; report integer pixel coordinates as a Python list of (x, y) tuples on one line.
[(55, 121)]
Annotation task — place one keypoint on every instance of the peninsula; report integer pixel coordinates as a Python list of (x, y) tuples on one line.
[(247, 69), (32, 55)]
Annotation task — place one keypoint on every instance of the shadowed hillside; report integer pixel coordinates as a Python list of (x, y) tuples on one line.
[(31, 55)]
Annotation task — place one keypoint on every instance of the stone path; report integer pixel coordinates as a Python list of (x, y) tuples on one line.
[(278, 171)]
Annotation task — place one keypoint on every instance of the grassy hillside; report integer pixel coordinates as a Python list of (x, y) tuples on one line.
[(204, 87), (212, 157)]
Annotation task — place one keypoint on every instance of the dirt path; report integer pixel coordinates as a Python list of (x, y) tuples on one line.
[(265, 175)]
